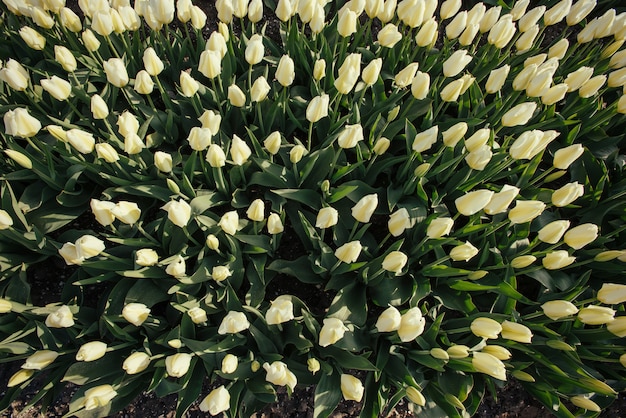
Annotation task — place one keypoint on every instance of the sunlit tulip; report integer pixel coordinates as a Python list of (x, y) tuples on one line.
[(485, 328), (99, 108), (126, 212), (584, 402), (556, 260), (497, 351), (456, 63), (579, 11), (554, 94), (40, 359), (115, 71), (163, 161), (452, 91), (488, 364), (395, 262), (233, 323), (412, 325), (381, 146), (220, 273), (612, 293), (332, 331), (319, 69), (581, 235), (349, 252), (468, 35), (500, 201), (576, 79), (457, 25), (519, 115), (346, 23), (372, 71), (91, 351), (236, 96), (527, 40), (143, 83), (280, 310), (279, 374), (256, 211), (177, 365), (591, 86), (473, 202), (423, 141), (463, 252), (229, 222), (296, 153), (106, 152), (389, 35), (188, 85), (427, 34), (553, 232), (439, 227), (284, 10), (530, 18), (516, 332), (458, 351), (197, 315), (496, 79), (178, 212), (15, 75), (90, 41), (18, 122), (406, 75), (348, 73), (567, 194), (389, 320), (478, 139), (272, 142), (216, 402), (254, 49), (64, 56), (454, 134), (313, 365), (70, 20), (177, 267), (363, 210), (317, 108), (501, 32), (351, 388), (5, 223), (60, 318), (350, 136), (564, 157), (146, 257), (285, 73), (137, 362), (596, 315), (102, 22), (135, 313), (523, 261), (399, 221), (239, 151), (99, 396), (525, 211), (557, 13), (326, 217), (33, 39), (82, 141), (260, 89), (420, 85), (478, 159), (558, 309)]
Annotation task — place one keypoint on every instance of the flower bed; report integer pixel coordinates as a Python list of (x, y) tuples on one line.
[(386, 201)]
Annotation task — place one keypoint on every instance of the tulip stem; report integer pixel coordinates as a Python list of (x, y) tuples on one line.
[(310, 135)]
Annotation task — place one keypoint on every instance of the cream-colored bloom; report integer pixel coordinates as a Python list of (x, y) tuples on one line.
[(115, 71), (5, 220), (399, 221), (210, 64), (279, 374), (496, 79), (454, 134), (20, 123), (372, 71), (348, 73), (525, 211), (463, 252), (457, 25), (516, 332), (70, 20), (350, 136), (280, 311), (452, 91), (346, 24), (89, 246), (351, 388), (33, 39), (617, 327), (427, 34), (177, 365), (415, 396), (395, 262), (135, 313), (61, 318), (151, 62), (229, 222), (564, 157), (317, 108), (567, 194), (239, 151), (553, 232), (143, 83), (612, 293), (485, 328), (15, 75), (212, 120), (256, 210), (488, 364), (216, 402), (126, 212), (260, 89), (91, 351), (596, 315), (272, 142), (456, 63), (389, 320), (103, 211), (99, 108), (473, 202), (65, 57), (519, 115), (215, 156), (478, 159), (405, 77), (558, 309), (412, 325), (177, 267), (90, 41), (389, 36), (40, 359), (274, 224), (581, 235), (285, 73), (501, 32), (576, 79), (99, 396), (439, 227), (106, 152), (349, 252), (557, 259), (420, 85), (423, 141), (319, 69), (500, 201), (458, 351), (313, 365), (584, 402), (178, 212), (332, 331), (188, 85), (591, 86), (327, 217), (254, 49), (497, 351), (557, 13), (197, 315), (137, 362), (363, 210), (381, 146), (233, 323), (220, 273), (146, 257), (163, 161)]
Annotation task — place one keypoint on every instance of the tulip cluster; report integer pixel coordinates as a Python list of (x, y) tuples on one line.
[(386, 197)]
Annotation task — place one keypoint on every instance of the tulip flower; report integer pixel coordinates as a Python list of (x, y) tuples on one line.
[(99, 396), (220, 273), (40, 359), (500, 201), (567, 194), (33, 39), (135, 313), (279, 374), (525, 211), (233, 323), (420, 85), (581, 235), (488, 364), (349, 252), (91, 351), (485, 328), (115, 71), (285, 73), (553, 232), (272, 142), (497, 351), (439, 227), (423, 141), (327, 217), (146, 257), (519, 115), (178, 212), (15, 75), (211, 119), (478, 159), (212, 242), (20, 123), (70, 20), (137, 362), (348, 74), (579, 11), (90, 41), (557, 260), (177, 365), (584, 402), (381, 146), (612, 293), (501, 32), (427, 34), (617, 327), (496, 79), (399, 221), (163, 161), (365, 207), (564, 157), (516, 332), (239, 151), (596, 315), (452, 91), (591, 86), (313, 365), (473, 202), (197, 315), (216, 402), (188, 85), (389, 35), (107, 152), (415, 396), (143, 83), (454, 134), (559, 309), (5, 220), (351, 388), (372, 71), (576, 79), (557, 13), (215, 156), (177, 267), (280, 311), (229, 222), (346, 24), (126, 212), (406, 75), (260, 89), (60, 318), (89, 246), (389, 320), (236, 96), (458, 351), (412, 325), (103, 211), (254, 49), (395, 262), (317, 108), (350, 136), (457, 25), (332, 331), (456, 63), (478, 139), (256, 211), (463, 252), (274, 224)]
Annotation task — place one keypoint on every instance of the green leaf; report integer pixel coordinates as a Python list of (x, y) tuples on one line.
[(327, 396), (299, 268), (306, 196)]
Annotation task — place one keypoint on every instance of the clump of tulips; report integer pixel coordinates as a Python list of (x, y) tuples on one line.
[(451, 181)]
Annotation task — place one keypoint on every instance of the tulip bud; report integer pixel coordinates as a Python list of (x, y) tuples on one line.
[(313, 365), (525, 211), (61, 318), (260, 89), (99, 396), (463, 252), (478, 139), (584, 402), (285, 73), (326, 217), (177, 267), (496, 79), (591, 86), (581, 235), (389, 320), (478, 159), (349, 252), (40, 359), (215, 156), (389, 36), (516, 332), (406, 75), (216, 402), (557, 12), (221, 273), (20, 159), (365, 207), (399, 221), (439, 354), (274, 224), (279, 374), (454, 134), (188, 85), (256, 211), (348, 73), (552, 232), (452, 91), (70, 20), (236, 96), (412, 325), (456, 25), (423, 141), (612, 293), (381, 146), (212, 242), (519, 115), (372, 71), (395, 262), (210, 64), (420, 85), (33, 39), (617, 327), (319, 69), (564, 157), (350, 136), (137, 362), (146, 257), (332, 331), (178, 212), (554, 94), (576, 79), (126, 212), (458, 351), (239, 151), (558, 309), (317, 108), (351, 388), (280, 311), (497, 351), (346, 24), (178, 364), (473, 202), (456, 63), (567, 194), (557, 260), (427, 34), (439, 227), (5, 223), (91, 351), (254, 50), (500, 201), (596, 315), (143, 83), (135, 313), (489, 365), (501, 32), (20, 123), (229, 222), (197, 315), (163, 161), (484, 327)]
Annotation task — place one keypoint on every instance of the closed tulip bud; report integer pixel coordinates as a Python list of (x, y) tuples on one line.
[(175, 343), (20, 159), (102, 22), (351, 388), (260, 89), (478, 159), (319, 69), (103, 211), (425, 140), (618, 59), (557, 12), (456, 63), (486, 18), (133, 144), (519, 8), (539, 84), (372, 71), (239, 151), (15, 75), (456, 25), (516, 332), (254, 50), (427, 34), (215, 156), (220, 273), (420, 85), (82, 141), (130, 18), (188, 85), (557, 260), (581, 235), (389, 320), (350, 136), (525, 211), (554, 94), (484, 327), (91, 351), (88, 246), (395, 262), (478, 139), (126, 212), (458, 351), (567, 194), (256, 211), (61, 318), (107, 152), (452, 91), (236, 96), (296, 153), (70, 20), (346, 24), (326, 218), (5, 223), (381, 146), (40, 359), (176, 268), (197, 315), (473, 202), (285, 73), (116, 72), (500, 201), (279, 374), (64, 56), (137, 362), (229, 222), (280, 311), (449, 8), (564, 157), (558, 309), (389, 36), (439, 227), (617, 327), (596, 315), (317, 108), (272, 143), (217, 43), (553, 232), (579, 11), (463, 252), (90, 41), (178, 212), (519, 115), (146, 257), (33, 39), (439, 354), (609, 255), (99, 108), (313, 365), (412, 325), (477, 275), (501, 32), (135, 313), (521, 80), (177, 365), (523, 261), (20, 123), (489, 365), (496, 79), (531, 18), (349, 252), (526, 145), (399, 221), (406, 75), (152, 63), (274, 224), (559, 49), (612, 293), (216, 402), (468, 35), (454, 134), (163, 161), (212, 242), (332, 331), (211, 120), (617, 78), (143, 83), (497, 351), (210, 64), (576, 79), (584, 402), (99, 396), (365, 207)]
